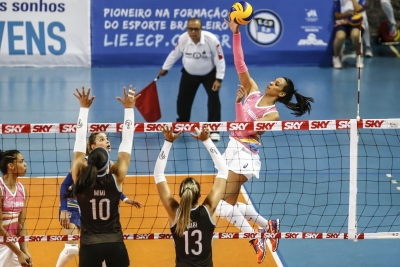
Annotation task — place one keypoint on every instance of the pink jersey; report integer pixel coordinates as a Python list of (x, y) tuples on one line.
[(12, 206), (252, 112)]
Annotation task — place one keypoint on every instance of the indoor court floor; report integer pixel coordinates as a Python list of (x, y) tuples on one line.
[(45, 95)]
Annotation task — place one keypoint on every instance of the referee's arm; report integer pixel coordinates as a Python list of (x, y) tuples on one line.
[(173, 56), (218, 59)]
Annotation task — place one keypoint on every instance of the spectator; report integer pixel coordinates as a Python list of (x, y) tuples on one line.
[(203, 63), (366, 36), (388, 9), (344, 10)]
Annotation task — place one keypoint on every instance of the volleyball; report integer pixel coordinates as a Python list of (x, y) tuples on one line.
[(355, 20), (241, 12)]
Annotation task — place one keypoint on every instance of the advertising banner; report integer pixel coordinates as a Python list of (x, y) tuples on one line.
[(285, 32), (45, 33)]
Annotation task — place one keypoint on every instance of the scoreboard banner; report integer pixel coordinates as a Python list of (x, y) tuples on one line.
[(45, 33), (286, 32)]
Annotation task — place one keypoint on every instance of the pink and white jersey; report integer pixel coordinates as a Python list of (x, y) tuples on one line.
[(12, 206), (252, 112)]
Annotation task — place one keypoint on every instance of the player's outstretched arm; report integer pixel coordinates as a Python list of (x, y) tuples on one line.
[(168, 201), (219, 185), (120, 168), (238, 58), (78, 158)]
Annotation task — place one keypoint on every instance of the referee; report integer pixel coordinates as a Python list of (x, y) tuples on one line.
[(203, 63)]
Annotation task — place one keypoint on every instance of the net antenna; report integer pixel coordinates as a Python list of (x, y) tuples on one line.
[(352, 222)]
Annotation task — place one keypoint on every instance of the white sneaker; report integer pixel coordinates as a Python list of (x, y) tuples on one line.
[(215, 136), (337, 63), (360, 62), (368, 52)]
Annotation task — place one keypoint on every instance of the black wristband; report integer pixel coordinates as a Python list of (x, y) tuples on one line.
[(220, 80)]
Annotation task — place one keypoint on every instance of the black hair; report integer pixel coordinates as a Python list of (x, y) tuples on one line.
[(303, 104), (194, 19), (97, 159), (6, 157)]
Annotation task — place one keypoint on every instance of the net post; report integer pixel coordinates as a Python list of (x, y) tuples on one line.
[(352, 222)]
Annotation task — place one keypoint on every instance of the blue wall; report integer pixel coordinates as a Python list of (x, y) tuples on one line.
[(285, 32)]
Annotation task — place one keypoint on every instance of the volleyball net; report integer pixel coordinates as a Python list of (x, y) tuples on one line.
[(330, 179)]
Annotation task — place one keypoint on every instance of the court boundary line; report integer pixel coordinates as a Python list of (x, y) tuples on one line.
[(275, 255)]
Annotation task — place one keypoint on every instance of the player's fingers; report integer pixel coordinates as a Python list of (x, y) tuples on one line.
[(131, 92), (79, 92)]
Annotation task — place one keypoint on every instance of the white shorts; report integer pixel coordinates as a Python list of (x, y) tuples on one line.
[(241, 160), (7, 257)]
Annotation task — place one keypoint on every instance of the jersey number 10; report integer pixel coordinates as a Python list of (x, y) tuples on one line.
[(102, 209)]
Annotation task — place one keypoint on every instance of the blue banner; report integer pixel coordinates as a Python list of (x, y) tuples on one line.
[(285, 32)]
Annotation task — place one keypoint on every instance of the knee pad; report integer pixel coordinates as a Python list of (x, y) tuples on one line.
[(224, 209), (72, 249)]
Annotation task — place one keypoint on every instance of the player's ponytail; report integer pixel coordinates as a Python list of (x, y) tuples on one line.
[(98, 161), (189, 192), (303, 104), (7, 157)]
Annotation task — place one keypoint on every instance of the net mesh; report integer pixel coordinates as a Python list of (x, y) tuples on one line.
[(304, 179)]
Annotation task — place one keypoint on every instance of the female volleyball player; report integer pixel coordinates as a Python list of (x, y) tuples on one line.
[(13, 210), (69, 210), (98, 191), (242, 152), (192, 226)]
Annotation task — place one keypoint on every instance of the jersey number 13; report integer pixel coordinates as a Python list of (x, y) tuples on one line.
[(198, 235)]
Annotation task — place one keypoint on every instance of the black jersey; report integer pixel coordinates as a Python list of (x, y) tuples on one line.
[(194, 248), (99, 208)]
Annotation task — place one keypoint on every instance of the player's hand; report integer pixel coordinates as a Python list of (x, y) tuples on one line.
[(24, 259), (240, 93), (64, 219), (84, 98), (202, 135), (129, 99), (233, 26), (216, 85), (169, 134), (133, 202)]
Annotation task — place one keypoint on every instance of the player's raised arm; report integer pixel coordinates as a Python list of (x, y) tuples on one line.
[(120, 168), (78, 158), (238, 58), (219, 185), (167, 199)]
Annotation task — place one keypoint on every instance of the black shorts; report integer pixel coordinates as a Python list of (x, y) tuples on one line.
[(115, 255), (347, 29)]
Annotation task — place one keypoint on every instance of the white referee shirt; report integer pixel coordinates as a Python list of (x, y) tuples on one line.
[(198, 59)]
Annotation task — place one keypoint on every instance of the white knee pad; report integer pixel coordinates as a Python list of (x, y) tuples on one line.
[(72, 249), (224, 209)]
